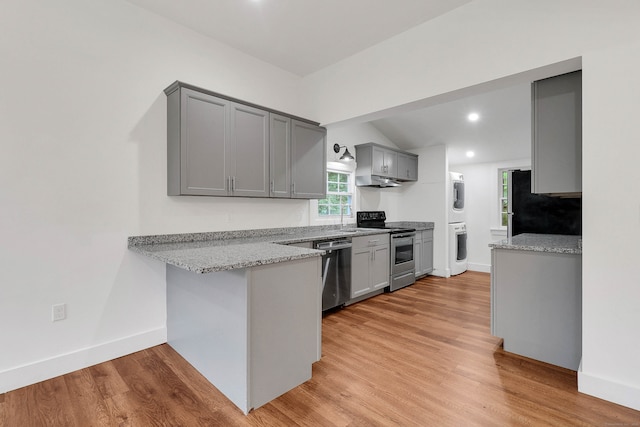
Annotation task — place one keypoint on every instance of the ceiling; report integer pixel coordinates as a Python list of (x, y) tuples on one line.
[(303, 36), (300, 36), (503, 131)]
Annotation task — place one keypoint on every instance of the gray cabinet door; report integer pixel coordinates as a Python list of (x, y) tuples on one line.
[(203, 144), (417, 253), (248, 156), (377, 163), (380, 266), (280, 146), (407, 167), (427, 251), (557, 134), (360, 272), (308, 161), (384, 162)]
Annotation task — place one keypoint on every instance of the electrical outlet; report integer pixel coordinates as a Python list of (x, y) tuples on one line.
[(58, 312)]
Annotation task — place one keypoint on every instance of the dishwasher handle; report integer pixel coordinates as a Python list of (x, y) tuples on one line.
[(328, 246)]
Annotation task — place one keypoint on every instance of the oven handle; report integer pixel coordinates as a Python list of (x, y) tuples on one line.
[(403, 236)]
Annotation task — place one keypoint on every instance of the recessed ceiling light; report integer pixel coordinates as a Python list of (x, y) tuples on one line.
[(473, 117), (470, 154)]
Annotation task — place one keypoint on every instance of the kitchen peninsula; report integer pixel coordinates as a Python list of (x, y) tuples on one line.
[(536, 297), (243, 307)]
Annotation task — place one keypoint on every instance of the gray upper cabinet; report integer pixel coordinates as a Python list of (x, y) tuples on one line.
[(407, 167), (384, 162), (280, 128), (198, 130), (557, 134), (219, 146), (308, 161), (377, 160), (248, 154)]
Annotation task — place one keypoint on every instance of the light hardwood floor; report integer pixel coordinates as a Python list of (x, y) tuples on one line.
[(421, 356)]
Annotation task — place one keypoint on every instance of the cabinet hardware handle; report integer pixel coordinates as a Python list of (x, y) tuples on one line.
[(233, 183), (293, 188), (229, 183), (271, 186)]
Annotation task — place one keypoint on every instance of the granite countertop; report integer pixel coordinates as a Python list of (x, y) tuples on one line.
[(228, 250), (418, 225), (554, 243)]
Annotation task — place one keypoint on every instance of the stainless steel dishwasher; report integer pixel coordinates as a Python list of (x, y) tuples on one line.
[(336, 272)]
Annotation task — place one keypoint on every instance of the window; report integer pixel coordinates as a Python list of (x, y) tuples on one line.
[(503, 196), (339, 195)]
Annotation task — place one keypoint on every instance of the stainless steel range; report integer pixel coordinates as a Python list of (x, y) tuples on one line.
[(402, 263)]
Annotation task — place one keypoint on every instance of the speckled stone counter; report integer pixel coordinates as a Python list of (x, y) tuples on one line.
[(553, 243), (418, 225), (228, 250)]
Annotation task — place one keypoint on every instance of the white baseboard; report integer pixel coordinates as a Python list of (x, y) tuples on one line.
[(32, 373), (482, 268), (613, 391), (440, 272)]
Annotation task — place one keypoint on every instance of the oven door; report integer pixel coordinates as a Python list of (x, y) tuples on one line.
[(402, 253)]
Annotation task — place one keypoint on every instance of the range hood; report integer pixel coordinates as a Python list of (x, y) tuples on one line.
[(375, 181)]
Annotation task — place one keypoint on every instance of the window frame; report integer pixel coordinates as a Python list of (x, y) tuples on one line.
[(501, 187), (339, 169)]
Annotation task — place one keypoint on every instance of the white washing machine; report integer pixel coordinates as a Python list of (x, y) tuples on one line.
[(457, 248), (455, 197)]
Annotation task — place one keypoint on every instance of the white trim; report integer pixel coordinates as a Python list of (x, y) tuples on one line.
[(498, 231), (441, 272), (613, 391), (482, 268), (314, 218), (341, 166), (500, 193), (41, 370)]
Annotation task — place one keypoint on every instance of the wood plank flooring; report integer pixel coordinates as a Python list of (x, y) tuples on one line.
[(421, 356)]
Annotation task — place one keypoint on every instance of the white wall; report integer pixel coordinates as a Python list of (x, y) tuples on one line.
[(487, 42), (83, 166), (482, 206), (425, 200), (611, 229)]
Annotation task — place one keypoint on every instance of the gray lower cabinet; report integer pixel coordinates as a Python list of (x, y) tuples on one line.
[(217, 146), (536, 304), (426, 263), (423, 252), (308, 161), (557, 134), (417, 254), (370, 264)]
